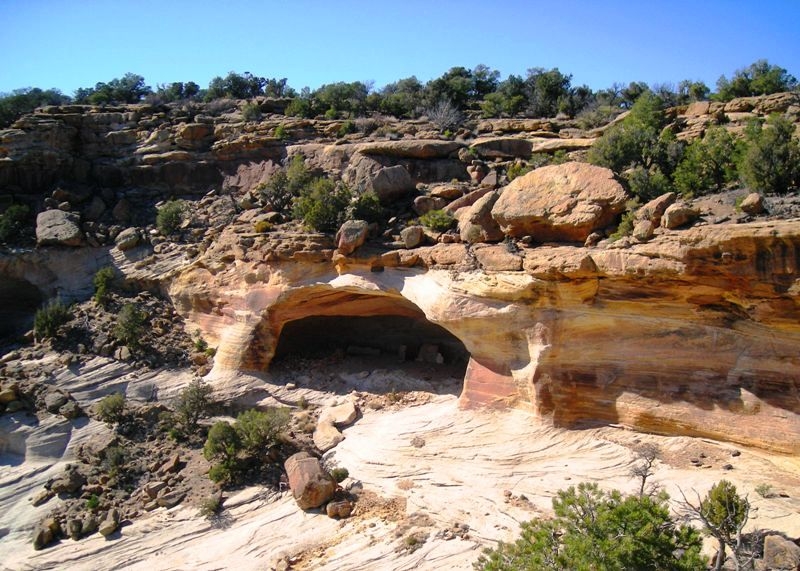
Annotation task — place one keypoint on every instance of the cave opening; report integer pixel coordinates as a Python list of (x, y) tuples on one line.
[(19, 300), (348, 343)]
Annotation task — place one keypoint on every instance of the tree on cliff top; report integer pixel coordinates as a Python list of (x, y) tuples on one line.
[(759, 78), (130, 88)]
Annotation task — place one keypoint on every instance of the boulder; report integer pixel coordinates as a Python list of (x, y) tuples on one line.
[(89, 525), (476, 223), (54, 400), (95, 210), (677, 215), (326, 436), (110, 523), (752, 204), (467, 200), (74, 529), (170, 499), (341, 509), (151, 489), (643, 230), (497, 258), (412, 236), (351, 235), (127, 239), (58, 228), (655, 209), (411, 148), (46, 533), (446, 191), (68, 483), (340, 415), (311, 485), (392, 182), (780, 553), (424, 204), (8, 394), (563, 203)]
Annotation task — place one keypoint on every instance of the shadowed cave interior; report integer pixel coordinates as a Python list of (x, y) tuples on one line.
[(19, 300), (412, 344)]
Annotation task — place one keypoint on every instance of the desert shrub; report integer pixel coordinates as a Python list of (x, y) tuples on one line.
[(170, 216), (93, 503), (323, 205), (223, 444), (262, 226), (765, 490), (596, 115), (707, 164), (251, 112), (771, 158), (114, 458), (49, 318), (299, 107), (13, 223), (210, 506), (112, 408), (367, 207), (445, 115), (280, 132), (517, 169), (625, 227), (102, 283), (130, 325), (220, 474), (438, 220), (647, 184), (258, 430), (340, 474), (346, 128), (194, 402), (593, 529), (759, 78)]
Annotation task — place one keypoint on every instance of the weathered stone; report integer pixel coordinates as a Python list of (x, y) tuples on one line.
[(326, 436), (340, 415), (151, 489), (170, 466), (71, 410), (391, 183), (678, 215), (74, 529), (497, 258), (340, 509), (446, 191), (41, 497), (7, 395), (68, 483), (412, 236), (54, 400), (562, 203), (655, 209), (752, 204), (95, 210), (127, 239), (643, 230), (58, 228), (89, 525), (429, 353), (780, 553), (502, 147), (110, 523), (351, 235), (46, 533), (467, 200), (311, 485), (170, 499), (424, 204), (475, 223)]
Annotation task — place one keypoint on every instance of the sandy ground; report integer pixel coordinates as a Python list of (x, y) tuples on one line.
[(432, 471)]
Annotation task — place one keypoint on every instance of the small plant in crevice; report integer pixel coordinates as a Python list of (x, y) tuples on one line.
[(438, 220), (49, 318), (170, 216), (112, 409), (102, 284)]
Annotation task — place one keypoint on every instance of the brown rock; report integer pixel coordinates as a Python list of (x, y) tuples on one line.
[(424, 204), (560, 202), (392, 182), (654, 209), (8, 394), (447, 191), (127, 239), (311, 485), (170, 499), (152, 488), (68, 483), (498, 259), (326, 436), (351, 235), (476, 223), (752, 204), (170, 466), (341, 509), (781, 553), (677, 215), (502, 147), (643, 230), (467, 200), (46, 533), (412, 236), (411, 148), (110, 523)]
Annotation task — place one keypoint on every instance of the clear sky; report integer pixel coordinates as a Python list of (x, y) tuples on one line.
[(68, 44)]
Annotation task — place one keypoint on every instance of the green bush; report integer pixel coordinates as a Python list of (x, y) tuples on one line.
[(262, 226), (111, 408), (593, 529), (194, 403), (646, 184), (220, 474), (625, 227), (49, 318), (102, 282), (323, 205), (437, 220), (707, 164), (367, 207), (170, 216), (517, 170), (13, 223), (771, 158), (93, 503), (223, 444), (276, 192), (259, 430), (340, 474), (130, 325), (280, 132), (212, 504), (346, 128), (251, 112)]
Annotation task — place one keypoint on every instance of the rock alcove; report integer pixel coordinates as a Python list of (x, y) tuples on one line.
[(359, 331), (19, 300)]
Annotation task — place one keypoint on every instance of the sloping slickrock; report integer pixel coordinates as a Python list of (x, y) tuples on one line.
[(58, 228), (310, 484), (560, 203)]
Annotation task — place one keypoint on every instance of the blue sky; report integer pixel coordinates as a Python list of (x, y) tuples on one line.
[(68, 44)]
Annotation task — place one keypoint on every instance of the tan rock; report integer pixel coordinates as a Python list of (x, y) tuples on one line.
[(411, 148), (677, 215), (643, 230), (412, 236), (752, 204), (351, 235), (497, 258), (475, 223), (560, 202), (502, 147), (326, 436), (655, 209), (311, 486), (58, 228), (340, 415), (780, 553)]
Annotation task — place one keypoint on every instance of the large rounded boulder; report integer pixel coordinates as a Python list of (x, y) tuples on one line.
[(560, 203), (311, 485)]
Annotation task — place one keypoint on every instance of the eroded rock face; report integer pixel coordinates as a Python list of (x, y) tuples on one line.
[(561, 203)]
